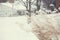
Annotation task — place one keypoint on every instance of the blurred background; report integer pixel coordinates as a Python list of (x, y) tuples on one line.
[(28, 7)]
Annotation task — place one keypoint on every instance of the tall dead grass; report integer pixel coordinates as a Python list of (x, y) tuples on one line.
[(45, 28)]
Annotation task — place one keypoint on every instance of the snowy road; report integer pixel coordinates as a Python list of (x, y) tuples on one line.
[(10, 29)]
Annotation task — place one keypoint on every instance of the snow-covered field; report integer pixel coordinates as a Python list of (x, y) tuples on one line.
[(17, 28), (11, 29)]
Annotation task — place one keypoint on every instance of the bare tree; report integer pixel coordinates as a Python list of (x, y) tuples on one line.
[(38, 4)]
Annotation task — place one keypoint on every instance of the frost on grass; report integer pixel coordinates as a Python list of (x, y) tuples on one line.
[(46, 27)]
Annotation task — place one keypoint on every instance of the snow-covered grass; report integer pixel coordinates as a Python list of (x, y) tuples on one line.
[(46, 27)]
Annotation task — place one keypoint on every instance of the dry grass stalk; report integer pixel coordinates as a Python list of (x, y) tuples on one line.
[(39, 29)]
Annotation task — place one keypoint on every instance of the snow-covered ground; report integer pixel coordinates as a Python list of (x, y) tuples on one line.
[(11, 29), (17, 28)]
